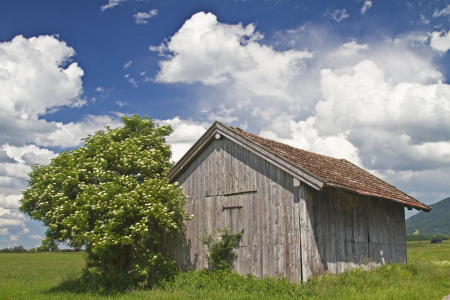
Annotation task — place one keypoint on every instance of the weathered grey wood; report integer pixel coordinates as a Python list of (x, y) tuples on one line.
[(293, 231), (297, 237), (307, 233)]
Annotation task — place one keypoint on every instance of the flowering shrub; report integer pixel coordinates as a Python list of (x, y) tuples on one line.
[(112, 196)]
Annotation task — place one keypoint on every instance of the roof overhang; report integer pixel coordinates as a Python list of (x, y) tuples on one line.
[(296, 171), (230, 134)]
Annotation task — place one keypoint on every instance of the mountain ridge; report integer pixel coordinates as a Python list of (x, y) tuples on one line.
[(435, 222)]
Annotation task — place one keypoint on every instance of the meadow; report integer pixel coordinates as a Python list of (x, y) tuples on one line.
[(56, 276)]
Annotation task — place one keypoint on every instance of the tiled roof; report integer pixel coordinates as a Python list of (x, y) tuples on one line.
[(337, 173)]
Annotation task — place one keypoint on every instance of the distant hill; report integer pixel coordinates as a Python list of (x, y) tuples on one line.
[(435, 222)]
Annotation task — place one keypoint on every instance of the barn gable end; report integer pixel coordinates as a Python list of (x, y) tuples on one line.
[(296, 224)]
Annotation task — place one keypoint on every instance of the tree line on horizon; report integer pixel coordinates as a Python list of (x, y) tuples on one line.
[(426, 237), (39, 249)]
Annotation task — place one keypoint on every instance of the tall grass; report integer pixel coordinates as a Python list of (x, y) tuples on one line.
[(56, 276)]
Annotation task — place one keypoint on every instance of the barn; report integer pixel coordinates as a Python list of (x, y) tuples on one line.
[(302, 213)]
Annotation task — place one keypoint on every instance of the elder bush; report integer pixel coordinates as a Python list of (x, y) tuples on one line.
[(112, 196)]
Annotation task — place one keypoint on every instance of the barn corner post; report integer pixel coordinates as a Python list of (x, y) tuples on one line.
[(307, 233)]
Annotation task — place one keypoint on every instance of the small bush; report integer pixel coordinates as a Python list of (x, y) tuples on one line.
[(220, 244)]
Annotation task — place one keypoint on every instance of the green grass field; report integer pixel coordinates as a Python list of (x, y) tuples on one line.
[(55, 276)]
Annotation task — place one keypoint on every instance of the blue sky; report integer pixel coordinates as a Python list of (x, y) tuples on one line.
[(360, 80)]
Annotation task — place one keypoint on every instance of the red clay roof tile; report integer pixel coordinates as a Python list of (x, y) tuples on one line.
[(338, 173)]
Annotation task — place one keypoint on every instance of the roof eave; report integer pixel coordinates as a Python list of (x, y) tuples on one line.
[(417, 206)]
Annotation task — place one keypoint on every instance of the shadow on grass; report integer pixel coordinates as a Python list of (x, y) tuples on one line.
[(76, 284), (71, 284)]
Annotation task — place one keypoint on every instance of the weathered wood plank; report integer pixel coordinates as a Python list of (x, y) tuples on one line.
[(306, 232), (297, 237), (332, 230), (229, 170)]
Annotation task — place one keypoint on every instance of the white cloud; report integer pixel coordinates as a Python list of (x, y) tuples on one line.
[(33, 79), (70, 134), (443, 12), (414, 39), (338, 15), (35, 237), (204, 50), (14, 238), (10, 201), (366, 6), (133, 82), (350, 49), (37, 78), (142, 17), (367, 119), (440, 41), (12, 222), (120, 103), (111, 4), (223, 115), (424, 20), (185, 134), (161, 49), (127, 64)]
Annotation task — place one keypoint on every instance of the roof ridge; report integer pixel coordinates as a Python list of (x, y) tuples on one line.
[(239, 129)]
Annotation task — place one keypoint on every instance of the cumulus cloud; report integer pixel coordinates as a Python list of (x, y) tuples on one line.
[(34, 82), (142, 17), (33, 79), (185, 134), (367, 119), (350, 49), (12, 222), (440, 41), (4, 158), (70, 134), (216, 54), (37, 77), (10, 201), (35, 237), (338, 14), (366, 6)]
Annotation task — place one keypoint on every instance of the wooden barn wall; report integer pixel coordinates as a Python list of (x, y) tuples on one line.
[(296, 232), (351, 230), (226, 174)]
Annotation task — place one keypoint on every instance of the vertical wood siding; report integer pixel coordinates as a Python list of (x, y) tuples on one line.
[(349, 231), (226, 174), (295, 232)]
